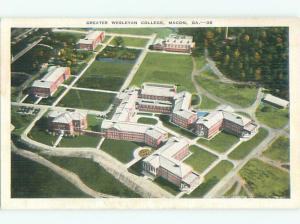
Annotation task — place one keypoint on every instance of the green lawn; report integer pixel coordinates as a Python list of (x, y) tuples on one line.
[(32, 180), (211, 179), (200, 159), (132, 41), (94, 123), (94, 176), (166, 68), (207, 103), (50, 100), (20, 121), (221, 142), (105, 75), (121, 150), (245, 148), (69, 80), (167, 185), (279, 150), (87, 100), (229, 193), (147, 120), (161, 32), (39, 132), (79, 141), (200, 61), (181, 131), (237, 94), (271, 116), (266, 181)]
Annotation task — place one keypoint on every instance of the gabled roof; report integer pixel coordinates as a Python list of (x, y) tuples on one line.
[(66, 117), (163, 157), (182, 101), (53, 74), (276, 100)]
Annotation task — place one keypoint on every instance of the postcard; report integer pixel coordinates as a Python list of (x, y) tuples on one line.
[(150, 113)]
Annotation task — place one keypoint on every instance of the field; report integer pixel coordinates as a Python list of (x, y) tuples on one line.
[(200, 159), (241, 95), (221, 142), (166, 68), (94, 176), (131, 41), (39, 133), (79, 141), (121, 150), (165, 120), (50, 100), (271, 116), (161, 32), (245, 148), (20, 121), (207, 103), (105, 75), (147, 120), (168, 186), (211, 179), (87, 100), (94, 123), (258, 175), (279, 150), (32, 180)]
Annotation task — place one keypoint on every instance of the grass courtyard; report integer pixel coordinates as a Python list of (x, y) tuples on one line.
[(94, 176), (79, 141), (147, 120), (20, 121), (200, 159), (221, 142), (87, 100), (94, 122), (165, 120), (166, 185), (279, 150), (39, 132), (211, 179), (131, 42), (105, 75), (50, 100), (271, 116), (161, 32), (207, 103), (121, 150), (245, 148), (166, 68), (32, 180), (238, 94), (266, 181)]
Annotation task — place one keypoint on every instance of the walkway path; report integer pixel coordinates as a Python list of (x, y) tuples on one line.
[(137, 64), (95, 90), (68, 175), (25, 50)]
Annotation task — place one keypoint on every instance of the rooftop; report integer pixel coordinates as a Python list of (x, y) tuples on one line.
[(157, 89), (53, 74), (66, 117), (276, 100)]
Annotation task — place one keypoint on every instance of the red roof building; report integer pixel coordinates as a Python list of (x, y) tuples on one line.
[(91, 40)]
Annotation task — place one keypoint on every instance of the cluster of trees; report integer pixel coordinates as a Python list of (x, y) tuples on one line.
[(258, 54), (118, 53)]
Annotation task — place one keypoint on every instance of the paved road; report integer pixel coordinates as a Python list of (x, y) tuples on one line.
[(66, 174), (137, 64), (25, 50), (18, 38)]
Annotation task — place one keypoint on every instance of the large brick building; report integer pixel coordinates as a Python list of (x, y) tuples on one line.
[(166, 162), (66, 122), (91, 40), (48, 85), (175, 43), (227, 121), (181, 114), (135, 132), (156, 91)]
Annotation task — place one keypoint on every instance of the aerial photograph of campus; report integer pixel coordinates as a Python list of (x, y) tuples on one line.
[(192, 112)]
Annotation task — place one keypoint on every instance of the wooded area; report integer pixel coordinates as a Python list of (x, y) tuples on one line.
[(258, 54)]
